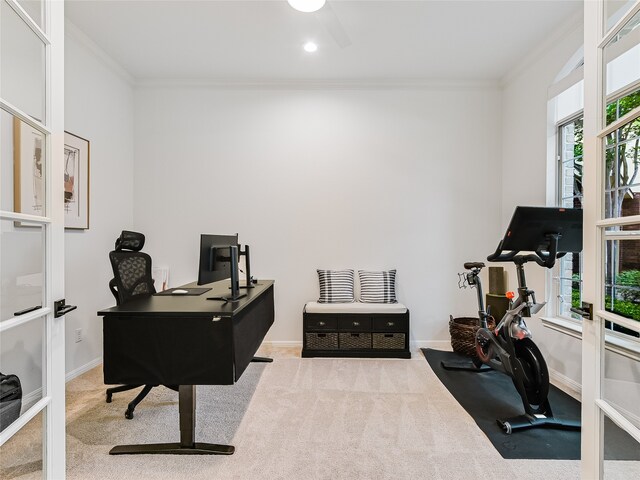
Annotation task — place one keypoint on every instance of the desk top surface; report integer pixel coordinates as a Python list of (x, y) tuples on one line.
[(191, 305)]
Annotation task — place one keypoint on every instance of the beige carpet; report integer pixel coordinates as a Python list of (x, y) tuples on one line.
[(292, 419)]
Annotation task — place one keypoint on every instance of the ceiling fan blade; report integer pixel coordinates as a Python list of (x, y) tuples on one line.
[(330, 20)]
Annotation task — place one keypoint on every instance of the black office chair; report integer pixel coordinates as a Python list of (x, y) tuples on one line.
[(131, 279)]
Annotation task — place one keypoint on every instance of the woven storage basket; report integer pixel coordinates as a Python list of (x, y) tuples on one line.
[(349, 341), (393, 341), (322, 341), (463, 334)]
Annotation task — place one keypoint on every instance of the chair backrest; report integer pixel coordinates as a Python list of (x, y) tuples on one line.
[(131, 268)]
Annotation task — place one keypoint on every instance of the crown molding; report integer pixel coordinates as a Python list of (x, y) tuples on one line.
[(74, 32), (314, 84), (569, 27)]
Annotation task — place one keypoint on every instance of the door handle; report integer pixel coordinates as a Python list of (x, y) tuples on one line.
[(60, 308), (585, 312)]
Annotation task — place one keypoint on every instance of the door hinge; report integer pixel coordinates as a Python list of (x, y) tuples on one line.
[(586, 311)]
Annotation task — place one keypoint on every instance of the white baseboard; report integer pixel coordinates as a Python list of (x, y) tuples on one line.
[(435, 344), (82, 369), (283, 343), (566, 384), (31, 398)]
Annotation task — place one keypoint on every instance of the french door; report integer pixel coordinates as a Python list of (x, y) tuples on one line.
[(32, 234), (610, 386)]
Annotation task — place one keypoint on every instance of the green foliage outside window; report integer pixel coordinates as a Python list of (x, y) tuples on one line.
[(627, 303), (622, 171)]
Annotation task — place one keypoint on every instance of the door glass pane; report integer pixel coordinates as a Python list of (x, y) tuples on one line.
[(34, 9), (614, 10), (22, 158), (22, 454), (622, 162), (21, 354), (22, 64), (21, 257), (621, 451), (621, 387)]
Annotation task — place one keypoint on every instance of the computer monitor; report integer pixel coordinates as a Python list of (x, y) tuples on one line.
[(213, 266), (219, 260)]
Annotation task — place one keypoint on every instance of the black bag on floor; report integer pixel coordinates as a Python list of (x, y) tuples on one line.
[(10, 399)]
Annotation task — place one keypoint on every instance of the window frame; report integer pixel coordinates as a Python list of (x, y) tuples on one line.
[(622, 343)]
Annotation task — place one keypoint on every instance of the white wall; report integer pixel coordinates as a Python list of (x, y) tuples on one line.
[(324, 178), (524, 153), (98, 107)]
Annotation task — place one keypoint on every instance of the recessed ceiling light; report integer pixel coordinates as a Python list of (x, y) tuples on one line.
[(307, 6), (310, 47)]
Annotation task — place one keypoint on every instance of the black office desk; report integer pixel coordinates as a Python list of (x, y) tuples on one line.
[(186, 341)]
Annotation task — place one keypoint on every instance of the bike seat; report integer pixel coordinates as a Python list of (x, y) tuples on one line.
[(472, 265)]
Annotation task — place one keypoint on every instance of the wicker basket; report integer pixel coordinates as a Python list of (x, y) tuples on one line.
[(393, 341), (355, 341), (463, 334), (321, 341)]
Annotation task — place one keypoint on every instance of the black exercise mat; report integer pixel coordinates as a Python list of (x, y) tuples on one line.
[(190, 291), (491, 395)]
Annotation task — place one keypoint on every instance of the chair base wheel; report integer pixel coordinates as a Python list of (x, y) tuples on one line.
[(108, 398), (128, 414)]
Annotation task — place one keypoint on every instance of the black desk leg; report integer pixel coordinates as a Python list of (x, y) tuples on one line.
[(187, 445), (262, 360)]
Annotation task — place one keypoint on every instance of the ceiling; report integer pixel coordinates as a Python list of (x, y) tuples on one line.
[(474, 40)]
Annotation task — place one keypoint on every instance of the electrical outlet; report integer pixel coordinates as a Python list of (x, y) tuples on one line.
[(78, 335)]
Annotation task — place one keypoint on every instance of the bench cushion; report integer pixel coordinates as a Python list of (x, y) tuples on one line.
[(356, 307)]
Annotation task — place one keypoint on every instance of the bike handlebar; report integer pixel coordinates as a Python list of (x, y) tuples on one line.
[(543, 258)]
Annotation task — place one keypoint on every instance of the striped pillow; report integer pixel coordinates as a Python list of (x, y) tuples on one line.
[(378, 287), (336, 286)]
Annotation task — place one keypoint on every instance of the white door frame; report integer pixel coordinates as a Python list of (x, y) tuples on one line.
[(52, 403), (594, 407)]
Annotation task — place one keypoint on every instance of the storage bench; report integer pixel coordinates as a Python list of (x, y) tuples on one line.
[(355, 330)]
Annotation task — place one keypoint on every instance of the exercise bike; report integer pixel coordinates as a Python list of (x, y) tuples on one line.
[(549, 233)]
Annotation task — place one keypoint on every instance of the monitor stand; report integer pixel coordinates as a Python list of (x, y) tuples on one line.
[(247, 266), (235, 294), (229, 298)]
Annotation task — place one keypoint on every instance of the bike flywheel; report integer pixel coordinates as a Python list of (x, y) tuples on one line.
[(534, 370)]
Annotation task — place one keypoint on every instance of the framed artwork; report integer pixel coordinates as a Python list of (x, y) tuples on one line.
[(28, 169), (76, 182)]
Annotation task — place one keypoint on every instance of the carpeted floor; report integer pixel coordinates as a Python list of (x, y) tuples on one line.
[(292, 419)]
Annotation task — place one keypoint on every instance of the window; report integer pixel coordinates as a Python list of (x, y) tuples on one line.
[(622, 185), (570, 195)]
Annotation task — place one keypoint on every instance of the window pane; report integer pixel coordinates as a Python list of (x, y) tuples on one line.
[(22, 64), (34, 9), (22, 454), (571, 164), (622, 277), (570, 290), (22, 157), (21, 257)]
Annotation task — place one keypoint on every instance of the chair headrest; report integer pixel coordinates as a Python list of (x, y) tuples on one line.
[(133, 241)]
